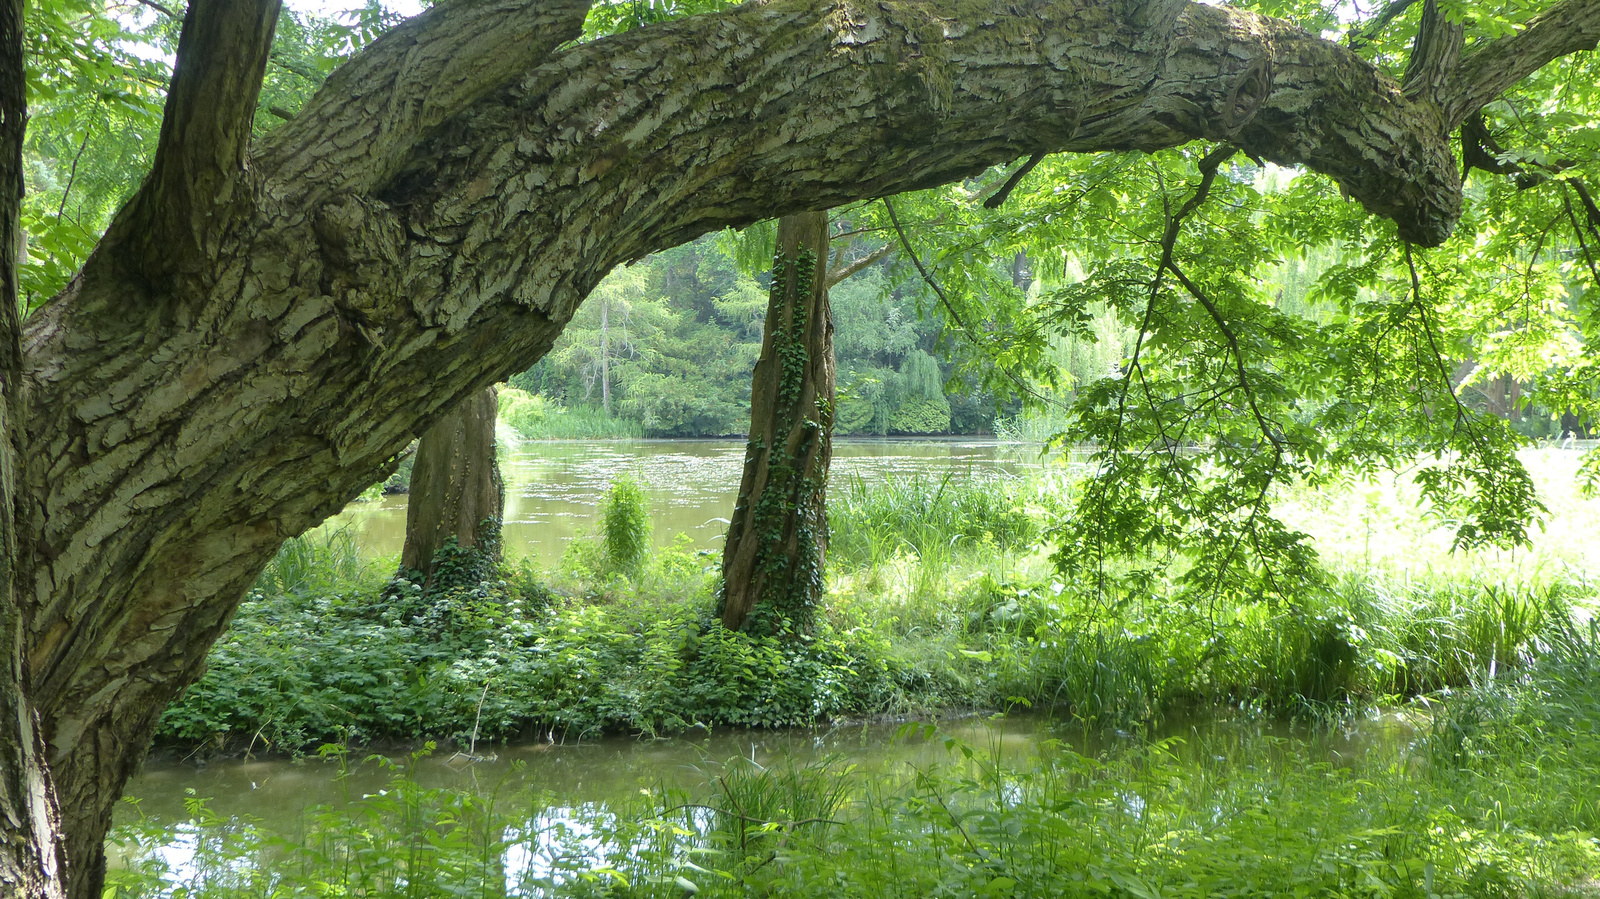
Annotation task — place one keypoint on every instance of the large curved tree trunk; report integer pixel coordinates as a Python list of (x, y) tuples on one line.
[(778, 536), (263, 329), (456, 489)]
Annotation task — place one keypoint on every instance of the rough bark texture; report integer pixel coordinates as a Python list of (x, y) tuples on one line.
[(30, 842), (429, 222), (778, 536), (456, 489)]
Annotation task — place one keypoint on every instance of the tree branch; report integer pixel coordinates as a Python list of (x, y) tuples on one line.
[(161, 8), (1012, 182), (1434, 54), (1208, 176), (370, 113), (1490, 70), (196, 186), (1364, 35), (707, 90), (839, 273)]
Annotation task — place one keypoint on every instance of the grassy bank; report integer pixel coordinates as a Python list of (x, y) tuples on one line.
[(939, 600), (532, 417)]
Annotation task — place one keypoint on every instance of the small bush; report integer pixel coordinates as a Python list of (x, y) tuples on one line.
[(625, 526)]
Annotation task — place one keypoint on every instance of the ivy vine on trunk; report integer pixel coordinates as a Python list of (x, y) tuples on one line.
[(772, 561)]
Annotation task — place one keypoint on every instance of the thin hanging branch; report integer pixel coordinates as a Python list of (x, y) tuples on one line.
[(1463, 420), (72, 175), (1012, 182), (1021, 384), (1583, 243), (1169, 241)]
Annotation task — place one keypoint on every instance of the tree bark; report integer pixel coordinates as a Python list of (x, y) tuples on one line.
[(30, 838), (456, 490), (777, 540), (433, 217)]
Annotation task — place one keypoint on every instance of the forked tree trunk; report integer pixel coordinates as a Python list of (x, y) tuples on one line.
[(264, 327), (456, 489), (778, 537)]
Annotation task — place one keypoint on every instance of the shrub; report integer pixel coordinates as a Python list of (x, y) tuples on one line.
[(625, 526)]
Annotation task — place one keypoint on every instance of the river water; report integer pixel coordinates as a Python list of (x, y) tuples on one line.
[(554, 489), (553, 496), (566, 788)]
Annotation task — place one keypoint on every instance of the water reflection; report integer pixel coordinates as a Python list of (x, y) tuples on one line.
[(611, 769)]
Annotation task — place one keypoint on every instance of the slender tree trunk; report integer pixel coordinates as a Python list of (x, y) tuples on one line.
[(1494, 394), (778, 537), (605, 355), (1022, 271), (456, 489)]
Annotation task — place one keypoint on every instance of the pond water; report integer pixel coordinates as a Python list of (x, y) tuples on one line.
[(554, 489), (581, 781)]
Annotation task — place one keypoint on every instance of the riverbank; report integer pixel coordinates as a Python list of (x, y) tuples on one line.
[(940, 601), (1486, 795), (1223, 747)]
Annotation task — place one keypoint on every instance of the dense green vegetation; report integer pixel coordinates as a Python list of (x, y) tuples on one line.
[(675, 337), (940, 599), (1240, 350)]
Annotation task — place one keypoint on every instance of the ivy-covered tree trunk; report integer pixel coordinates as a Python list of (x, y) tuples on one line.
[(456, 490), (778, 537)]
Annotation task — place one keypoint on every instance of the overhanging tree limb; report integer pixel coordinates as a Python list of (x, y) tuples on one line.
[(1491, 69), (367, 118)]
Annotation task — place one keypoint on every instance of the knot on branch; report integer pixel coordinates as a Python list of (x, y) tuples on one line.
[(361, 244), (1247, 95)]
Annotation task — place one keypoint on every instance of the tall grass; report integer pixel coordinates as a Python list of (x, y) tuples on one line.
[(325, 560), (928, 517)]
